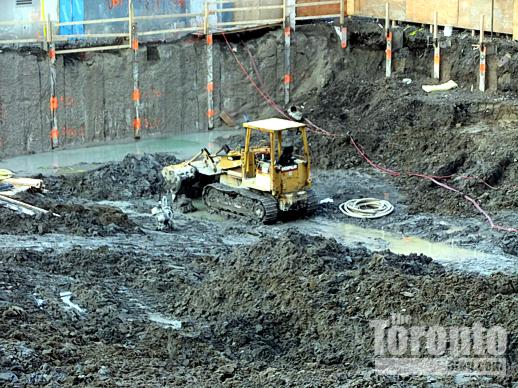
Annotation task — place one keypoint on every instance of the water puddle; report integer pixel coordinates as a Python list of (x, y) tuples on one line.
[(73, 160), (447, 253), (165, 322)]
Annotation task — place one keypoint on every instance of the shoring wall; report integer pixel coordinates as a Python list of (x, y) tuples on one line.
[(94, 90)]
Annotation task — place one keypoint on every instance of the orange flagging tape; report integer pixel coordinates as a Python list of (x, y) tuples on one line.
[(210, 113), (137, 124), (210, 87), (482, 67), (287, 31), (388, 53), (437, 59), (54, 103), (52, 54), (136, 95), (54, 134), (288, 79), (134, 44), (209, 40)]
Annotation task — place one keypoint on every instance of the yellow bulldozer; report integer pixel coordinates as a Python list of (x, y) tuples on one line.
[(270, 175)]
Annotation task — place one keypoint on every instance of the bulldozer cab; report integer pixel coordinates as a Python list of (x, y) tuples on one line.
[(276, 156)]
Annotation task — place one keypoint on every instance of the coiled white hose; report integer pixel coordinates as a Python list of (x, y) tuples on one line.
[(366, 208)]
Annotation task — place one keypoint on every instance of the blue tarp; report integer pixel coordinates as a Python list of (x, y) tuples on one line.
[(71, 11)]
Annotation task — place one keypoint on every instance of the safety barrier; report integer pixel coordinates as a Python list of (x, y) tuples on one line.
[(500, 16)]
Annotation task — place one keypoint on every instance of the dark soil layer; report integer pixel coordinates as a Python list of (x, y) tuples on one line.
[(288, 311), (469, 135), (75, 219), (134, 177)]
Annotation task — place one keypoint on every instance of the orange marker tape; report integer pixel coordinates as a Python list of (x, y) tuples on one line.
[(209, 40), (482, 67), (134, 44), (135, 96), (52, 54), (287, 31), (210, 87), (437, 59), (54, 103), (54, 134), (288, 79), (210, 113), (137, 124)]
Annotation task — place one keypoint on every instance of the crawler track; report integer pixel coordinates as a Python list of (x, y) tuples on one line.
[(254, 206)]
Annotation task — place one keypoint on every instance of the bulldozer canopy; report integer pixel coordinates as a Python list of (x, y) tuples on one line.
[(273, 125)]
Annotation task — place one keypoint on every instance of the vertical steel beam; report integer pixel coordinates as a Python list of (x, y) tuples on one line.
[(343, 28), (288, 79), (210, 70), (136, 95), (210, 81), (436, 49), (388, 51), (483, 52), (53, 105)]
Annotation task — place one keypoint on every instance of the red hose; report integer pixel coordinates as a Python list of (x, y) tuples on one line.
[(432, 178)]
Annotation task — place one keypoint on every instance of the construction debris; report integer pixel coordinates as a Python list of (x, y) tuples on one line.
[(366, 208), (441, 87), (227, 119), (22, 206)]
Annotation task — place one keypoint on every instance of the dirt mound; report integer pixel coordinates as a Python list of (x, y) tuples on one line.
[(75, 219), (136, 176), (299, 301), (403, 129), (293, 310)]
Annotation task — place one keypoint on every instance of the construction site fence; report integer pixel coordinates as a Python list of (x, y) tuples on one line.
[(500, 16)]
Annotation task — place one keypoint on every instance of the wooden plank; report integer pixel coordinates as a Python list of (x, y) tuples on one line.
[(422, 11), (470, 11), (503, 16), (317, 10), (24, 205), (25, 182), (256, 14), (376, 8)]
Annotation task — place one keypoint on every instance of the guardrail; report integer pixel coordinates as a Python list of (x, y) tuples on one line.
[(249, 13)]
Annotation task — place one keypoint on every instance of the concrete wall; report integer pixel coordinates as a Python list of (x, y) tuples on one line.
[(94, 93), (94, 90)]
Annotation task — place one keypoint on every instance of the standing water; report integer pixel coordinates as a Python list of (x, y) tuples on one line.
[(79, 159)]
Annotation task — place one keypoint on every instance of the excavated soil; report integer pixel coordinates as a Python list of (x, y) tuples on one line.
[(216, 302), (134, 177), (65, 217), (290, 311), (435, 135)]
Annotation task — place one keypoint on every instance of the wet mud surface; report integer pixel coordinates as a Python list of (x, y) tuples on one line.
[(97, 297), (289, 310), (219, 303)]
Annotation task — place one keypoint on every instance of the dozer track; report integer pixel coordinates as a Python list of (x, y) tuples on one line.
[(312, 204), (258, 207)]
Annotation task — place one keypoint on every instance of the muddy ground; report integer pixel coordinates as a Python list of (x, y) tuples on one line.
[(97, 297), (217, 302)]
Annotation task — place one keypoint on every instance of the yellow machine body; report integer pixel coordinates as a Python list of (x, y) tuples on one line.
[(269, 167)]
